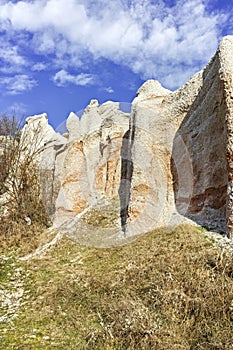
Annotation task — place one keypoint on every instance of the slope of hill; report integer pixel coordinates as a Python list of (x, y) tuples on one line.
[(171, 289)]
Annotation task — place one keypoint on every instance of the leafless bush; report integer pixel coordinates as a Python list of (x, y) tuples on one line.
[(19, 174)]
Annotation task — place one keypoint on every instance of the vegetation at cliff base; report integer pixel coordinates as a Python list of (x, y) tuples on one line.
[(19, 176), (170, 289)]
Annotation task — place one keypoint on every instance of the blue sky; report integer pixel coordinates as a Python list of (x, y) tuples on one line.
[(57, 55)]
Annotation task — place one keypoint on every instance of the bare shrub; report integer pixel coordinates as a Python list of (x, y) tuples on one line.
[(19, 174)]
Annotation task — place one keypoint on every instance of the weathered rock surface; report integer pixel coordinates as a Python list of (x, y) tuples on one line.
[(114, 177), (36, 133), (181, 151), (85, 168)]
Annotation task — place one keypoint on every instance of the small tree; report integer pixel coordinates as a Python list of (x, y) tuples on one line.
[(19, 172)]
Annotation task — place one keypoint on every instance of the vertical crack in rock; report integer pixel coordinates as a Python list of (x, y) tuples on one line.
[(127, 168)]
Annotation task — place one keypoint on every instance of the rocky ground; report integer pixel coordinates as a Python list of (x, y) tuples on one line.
[(220, 240)]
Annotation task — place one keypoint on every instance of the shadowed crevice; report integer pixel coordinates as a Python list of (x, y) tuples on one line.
[(127, 168)]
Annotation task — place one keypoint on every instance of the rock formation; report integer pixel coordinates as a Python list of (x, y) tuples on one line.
[(85, 168), (182, 150), (115, 176)]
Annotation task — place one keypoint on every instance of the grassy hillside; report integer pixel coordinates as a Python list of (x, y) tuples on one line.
[(169, 290)]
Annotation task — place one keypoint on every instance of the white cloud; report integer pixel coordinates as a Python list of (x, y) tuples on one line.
[(153, 40), (17, 84), (11, 60), (63, 78), (10, 54), (38, 67), (109, 90)]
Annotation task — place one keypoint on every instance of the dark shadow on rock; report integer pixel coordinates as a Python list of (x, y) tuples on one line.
[(198, 162), (127, 168)]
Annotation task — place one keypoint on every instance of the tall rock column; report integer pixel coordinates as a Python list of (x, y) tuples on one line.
[(91, 163), (226, 76)]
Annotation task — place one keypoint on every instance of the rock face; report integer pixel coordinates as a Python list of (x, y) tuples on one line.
[(114, 177), (181, 150), (84, 168), (36, 133)]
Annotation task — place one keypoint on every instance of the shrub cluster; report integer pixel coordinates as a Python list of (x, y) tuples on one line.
[(19, 177)]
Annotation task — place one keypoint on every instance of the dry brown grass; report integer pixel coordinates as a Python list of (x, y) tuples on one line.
[(17, 236), (168, 290)]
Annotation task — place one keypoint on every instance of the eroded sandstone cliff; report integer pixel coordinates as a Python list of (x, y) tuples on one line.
[(182, 150), (113, 177), (85, 168)]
